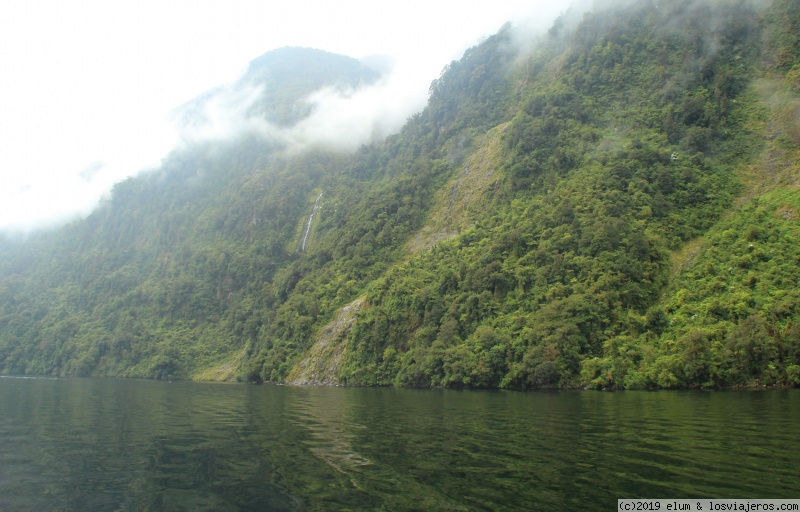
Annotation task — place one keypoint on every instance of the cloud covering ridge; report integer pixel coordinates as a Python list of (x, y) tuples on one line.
[(87, 96)]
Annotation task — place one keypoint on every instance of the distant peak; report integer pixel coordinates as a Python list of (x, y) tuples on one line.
[(295, 59)]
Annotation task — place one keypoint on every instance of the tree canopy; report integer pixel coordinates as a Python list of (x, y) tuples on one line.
[(613, 206)]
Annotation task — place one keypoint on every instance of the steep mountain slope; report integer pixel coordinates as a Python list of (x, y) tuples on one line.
[(601, 208), (151, 283)]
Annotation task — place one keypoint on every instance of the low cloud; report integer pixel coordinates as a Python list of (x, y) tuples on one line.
[(339, 119), (49, 180), (221, 115), (344, 120)]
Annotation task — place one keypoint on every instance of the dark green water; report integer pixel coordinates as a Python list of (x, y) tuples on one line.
[(100, 445)]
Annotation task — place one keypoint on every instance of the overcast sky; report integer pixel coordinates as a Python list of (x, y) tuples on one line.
[(87, 85)]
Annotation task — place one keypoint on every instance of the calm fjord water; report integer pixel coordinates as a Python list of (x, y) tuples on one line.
[(120, 445)]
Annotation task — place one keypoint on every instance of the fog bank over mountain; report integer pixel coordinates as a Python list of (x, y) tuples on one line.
[(87, 99)]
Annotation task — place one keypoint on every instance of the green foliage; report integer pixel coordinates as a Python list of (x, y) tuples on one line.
[(623, 139), (732, 313), (566, 270)]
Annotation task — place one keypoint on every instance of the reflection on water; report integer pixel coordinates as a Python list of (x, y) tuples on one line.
[(322, 415), (118, 445)]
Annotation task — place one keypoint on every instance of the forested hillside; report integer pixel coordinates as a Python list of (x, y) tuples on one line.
[(612, 204)]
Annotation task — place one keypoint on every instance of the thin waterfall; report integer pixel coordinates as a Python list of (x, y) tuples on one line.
[(304, 239)]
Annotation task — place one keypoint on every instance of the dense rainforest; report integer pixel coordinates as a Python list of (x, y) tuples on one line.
[(612, 204)]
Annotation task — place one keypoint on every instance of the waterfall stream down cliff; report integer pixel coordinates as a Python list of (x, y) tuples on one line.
[(301, 247)]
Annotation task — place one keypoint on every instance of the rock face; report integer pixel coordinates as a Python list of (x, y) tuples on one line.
[(321, 366)]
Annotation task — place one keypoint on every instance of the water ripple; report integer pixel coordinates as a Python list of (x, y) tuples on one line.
[(132, 445)]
